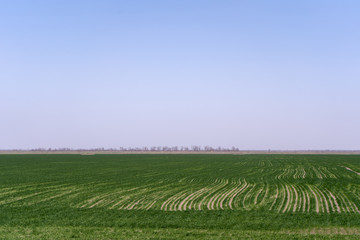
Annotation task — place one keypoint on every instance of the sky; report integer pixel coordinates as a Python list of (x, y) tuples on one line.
[(270, 74)]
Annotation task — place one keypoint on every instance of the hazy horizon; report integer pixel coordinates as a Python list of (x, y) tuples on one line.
[(251, 74)]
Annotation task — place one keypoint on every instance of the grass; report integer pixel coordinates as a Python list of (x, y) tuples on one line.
[(178, 196)]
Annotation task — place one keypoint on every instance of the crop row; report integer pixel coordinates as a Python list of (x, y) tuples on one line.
[(221, 194), (275, 183)]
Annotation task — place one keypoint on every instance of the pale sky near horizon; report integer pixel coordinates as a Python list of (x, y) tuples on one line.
[(251, 74)]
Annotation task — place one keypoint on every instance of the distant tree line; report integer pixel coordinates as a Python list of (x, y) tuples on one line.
[(194, 148)]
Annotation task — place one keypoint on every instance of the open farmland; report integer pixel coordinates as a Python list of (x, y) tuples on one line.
[(173, 196)]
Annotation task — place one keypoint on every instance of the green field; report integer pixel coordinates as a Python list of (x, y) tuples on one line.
[(180, 196)]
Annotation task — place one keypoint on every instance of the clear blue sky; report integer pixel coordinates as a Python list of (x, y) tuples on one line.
[(251, 74)]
